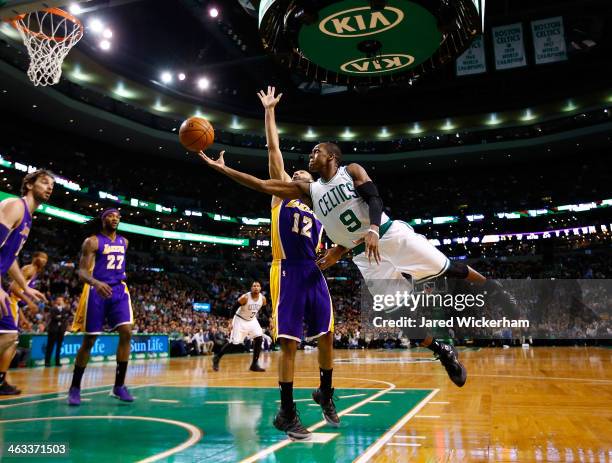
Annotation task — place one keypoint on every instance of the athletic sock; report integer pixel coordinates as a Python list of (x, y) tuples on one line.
[(77, 376), (326, 379), (227, 347), (286, 391), (120, 373), (257, 342)]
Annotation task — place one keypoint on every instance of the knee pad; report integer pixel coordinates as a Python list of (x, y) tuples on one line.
[(457, 270)]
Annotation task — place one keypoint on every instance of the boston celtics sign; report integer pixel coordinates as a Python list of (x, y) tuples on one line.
[(363, 40)]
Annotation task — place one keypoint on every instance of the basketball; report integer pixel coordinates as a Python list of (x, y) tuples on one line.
[(196, 134)]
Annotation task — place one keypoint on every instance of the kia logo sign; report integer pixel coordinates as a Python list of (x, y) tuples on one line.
[(362, 21), (377, 64)]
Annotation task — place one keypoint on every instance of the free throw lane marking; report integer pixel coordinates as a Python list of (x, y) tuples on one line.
[(376, 446)]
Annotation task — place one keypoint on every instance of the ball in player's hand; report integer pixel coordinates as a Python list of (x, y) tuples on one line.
[(196, 134)]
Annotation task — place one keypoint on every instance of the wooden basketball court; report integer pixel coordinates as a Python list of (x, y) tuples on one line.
[(535, 405)]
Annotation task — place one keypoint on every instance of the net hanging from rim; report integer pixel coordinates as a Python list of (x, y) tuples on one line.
[(49, 35)]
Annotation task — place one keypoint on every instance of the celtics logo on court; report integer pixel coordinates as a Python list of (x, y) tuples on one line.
[(377, 64), (359, 22)]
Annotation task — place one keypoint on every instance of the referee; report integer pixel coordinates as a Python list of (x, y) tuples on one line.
[(57, 322)]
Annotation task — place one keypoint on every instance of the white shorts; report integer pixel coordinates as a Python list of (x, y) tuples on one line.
[(242, 328), (402, 251)]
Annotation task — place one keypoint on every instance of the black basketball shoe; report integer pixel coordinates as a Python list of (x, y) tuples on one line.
[(326, 401), (289, 423), (256, 367), (8, 389), (449, 357)]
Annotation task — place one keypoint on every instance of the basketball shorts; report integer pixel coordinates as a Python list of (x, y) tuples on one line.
[(299, 296), (402, 252), (94, 310), (9, 323), (242, 328)]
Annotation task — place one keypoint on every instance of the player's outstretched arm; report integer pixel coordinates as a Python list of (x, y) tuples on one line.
[(284, 190), (86, 263), (276, 164)]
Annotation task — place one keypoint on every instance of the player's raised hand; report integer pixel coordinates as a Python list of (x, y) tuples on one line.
[(371, 245), (269, 100), (4, 302), (219, 164)]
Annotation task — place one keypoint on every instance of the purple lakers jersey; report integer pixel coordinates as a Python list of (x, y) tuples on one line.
[(296, 232), (109, 266), (15, 241)]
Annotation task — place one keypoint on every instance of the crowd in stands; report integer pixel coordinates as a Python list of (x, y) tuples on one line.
[(167, 276), (162, 298)]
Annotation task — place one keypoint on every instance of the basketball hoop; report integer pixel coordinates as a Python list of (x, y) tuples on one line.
[(49, 35)]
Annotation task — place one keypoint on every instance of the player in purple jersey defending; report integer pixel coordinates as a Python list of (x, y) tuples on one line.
[(299, 290), (15, 225), (105, 297), (18, 302)]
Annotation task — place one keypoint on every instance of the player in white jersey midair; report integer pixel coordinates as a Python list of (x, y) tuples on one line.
[(347, 203), (245, 324)]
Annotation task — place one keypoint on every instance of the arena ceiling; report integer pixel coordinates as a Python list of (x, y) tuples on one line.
[(149, 37)]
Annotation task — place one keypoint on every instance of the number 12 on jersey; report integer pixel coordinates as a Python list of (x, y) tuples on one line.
[(306, 225)]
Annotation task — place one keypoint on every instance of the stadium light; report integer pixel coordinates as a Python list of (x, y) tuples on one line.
[(75, 8), (310, 133), (79, 75), (347, 133), (96, 25), (158, 106), (107, 34), (570, 106), (123, 92), (204, 83), (235, 123), (528, 115), (493, 120), (166, 77), (105, 45), (213, 12), (448, 125), (384, 133), (181, 76), (416, 128)]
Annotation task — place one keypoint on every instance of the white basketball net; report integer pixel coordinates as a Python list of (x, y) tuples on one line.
[(48, 35)]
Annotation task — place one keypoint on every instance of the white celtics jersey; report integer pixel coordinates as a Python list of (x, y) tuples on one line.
[(249, 310), (343, 213)]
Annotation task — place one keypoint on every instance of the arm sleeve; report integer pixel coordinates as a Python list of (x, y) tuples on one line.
[(369, 193)]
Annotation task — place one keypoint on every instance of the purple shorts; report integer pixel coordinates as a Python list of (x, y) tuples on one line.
[(8, 323), (299, 296), (94, 310)]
